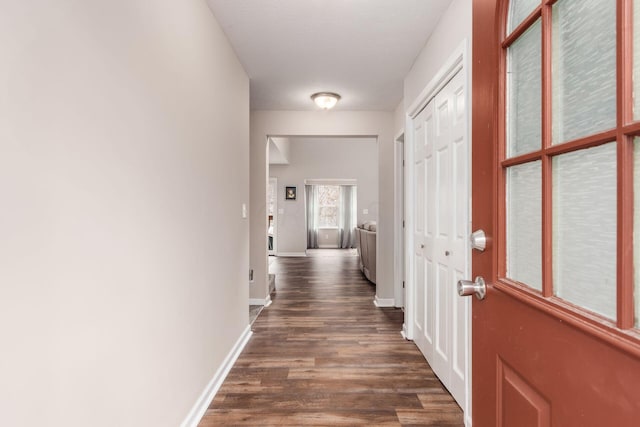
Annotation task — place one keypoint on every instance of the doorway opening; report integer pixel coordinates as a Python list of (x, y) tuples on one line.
[(338, 174), (399, 222), (272, 216)]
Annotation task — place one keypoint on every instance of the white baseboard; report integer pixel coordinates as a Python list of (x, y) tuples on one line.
[(205, 399), (261, 301), (292, 254), (384, 302), (328, 247), (404, 332)]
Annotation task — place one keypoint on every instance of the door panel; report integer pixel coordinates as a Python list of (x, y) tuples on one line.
[(420, 299), (458, 247), (458, 343), (521, 404), (419, 291), (538, 360), (440, 129), (593, 385), (430, 318), (430, 229), (441, 188), (440, 362)]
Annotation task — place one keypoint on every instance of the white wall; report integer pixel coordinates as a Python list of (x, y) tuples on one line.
[(324, 158), (322, 123), (123, 165), (398, 119), (454, 27), (279, 151), (328, 238)]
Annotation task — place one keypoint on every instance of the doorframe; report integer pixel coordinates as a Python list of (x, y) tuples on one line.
[(274, 251), (399, 203), (458, 61)]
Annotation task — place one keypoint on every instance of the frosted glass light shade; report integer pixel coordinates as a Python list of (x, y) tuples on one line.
[(325, 100)]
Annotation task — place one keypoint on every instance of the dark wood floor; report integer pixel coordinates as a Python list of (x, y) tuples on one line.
[(322, 354)]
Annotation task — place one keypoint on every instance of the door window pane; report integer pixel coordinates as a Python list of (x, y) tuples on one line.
[(519, 10), (525, 91), (584, 228), (584, 68), (524, 224)]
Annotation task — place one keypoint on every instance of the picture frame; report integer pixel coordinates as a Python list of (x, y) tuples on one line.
[(290, 193)]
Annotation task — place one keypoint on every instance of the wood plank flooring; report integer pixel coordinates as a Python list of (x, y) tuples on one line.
[(322, 354)]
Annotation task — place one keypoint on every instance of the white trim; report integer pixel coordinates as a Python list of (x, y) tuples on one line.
[(384, 302), (261, 301), (331, 246), (292, 254), (467, 417), (449, 69), (275, 219), (330, 181), (398, 212), (399, 136), (408, 226), (205, 399)]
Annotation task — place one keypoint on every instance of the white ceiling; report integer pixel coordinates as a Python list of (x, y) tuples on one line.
[(361, 49)]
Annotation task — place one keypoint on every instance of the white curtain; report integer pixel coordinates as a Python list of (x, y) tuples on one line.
[(313, 215), (347, 216)]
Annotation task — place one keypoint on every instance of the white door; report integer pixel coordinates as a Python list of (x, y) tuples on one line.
[(441, 235), (422, 137)]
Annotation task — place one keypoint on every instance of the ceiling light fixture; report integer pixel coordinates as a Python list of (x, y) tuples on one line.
[(325, 100)]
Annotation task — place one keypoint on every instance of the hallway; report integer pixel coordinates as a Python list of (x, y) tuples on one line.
[(322, 354)]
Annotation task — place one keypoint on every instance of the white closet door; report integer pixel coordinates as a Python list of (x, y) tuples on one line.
[(423, 137), (441, 235)]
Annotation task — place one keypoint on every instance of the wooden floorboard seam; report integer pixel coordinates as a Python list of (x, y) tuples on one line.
[(323, 355)]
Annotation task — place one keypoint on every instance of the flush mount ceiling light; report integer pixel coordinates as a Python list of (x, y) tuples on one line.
[(325, 100)]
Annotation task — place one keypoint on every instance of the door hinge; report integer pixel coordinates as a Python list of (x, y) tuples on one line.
[(403, 163), (403, 284), (403, 223)]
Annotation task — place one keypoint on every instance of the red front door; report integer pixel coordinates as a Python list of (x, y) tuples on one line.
[(555, 341)]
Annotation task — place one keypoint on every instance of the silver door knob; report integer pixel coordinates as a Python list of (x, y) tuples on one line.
[(422, 246), (477, 288), (478, 240)]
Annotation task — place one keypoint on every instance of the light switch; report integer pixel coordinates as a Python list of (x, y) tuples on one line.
[(365, 211), (244, 210)]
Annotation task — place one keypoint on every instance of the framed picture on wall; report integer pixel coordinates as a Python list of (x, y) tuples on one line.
[(290, 193)]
